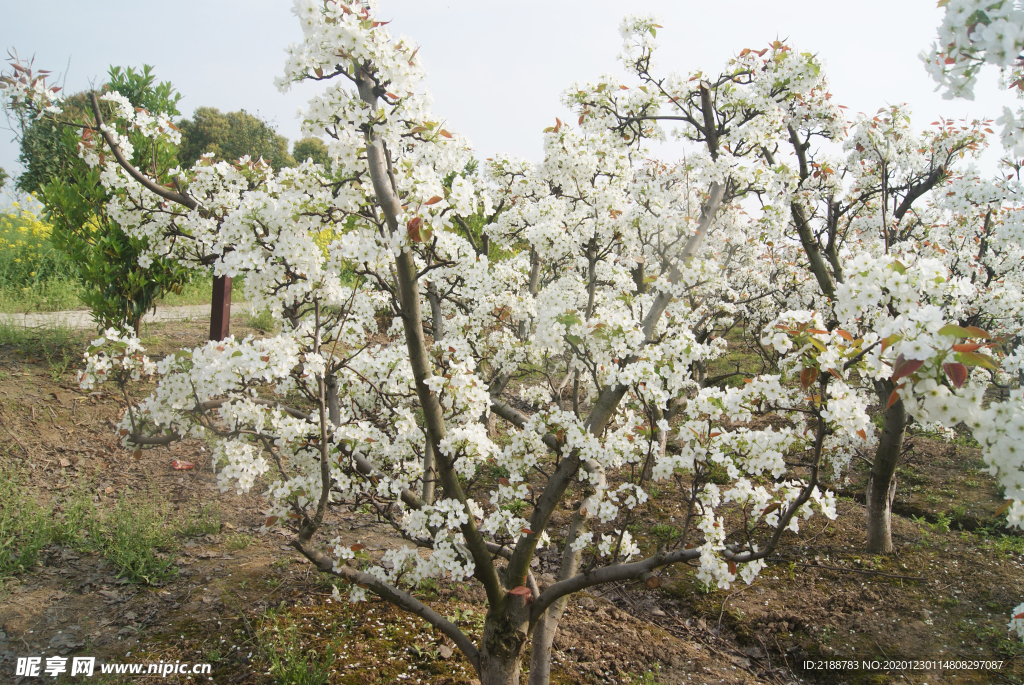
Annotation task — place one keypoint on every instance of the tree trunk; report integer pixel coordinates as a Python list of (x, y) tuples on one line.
[(503, 644), (429, 475), (882, 481), (543, 640), (546, 627)]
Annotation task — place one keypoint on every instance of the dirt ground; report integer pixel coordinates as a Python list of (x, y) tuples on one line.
[(246, 603)]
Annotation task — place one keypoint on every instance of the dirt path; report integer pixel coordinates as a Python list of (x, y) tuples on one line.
[(82, 318)]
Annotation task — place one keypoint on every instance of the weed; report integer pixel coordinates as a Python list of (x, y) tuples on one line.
[(58, 346), (240, 541), (206, 521), (647, 677), (281, 645), (429, 588), (133, 534), (263, 321), (24, 526), (664, 532)]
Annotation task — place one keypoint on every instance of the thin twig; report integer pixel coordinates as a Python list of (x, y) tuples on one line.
[(857, 570), (17, 441)]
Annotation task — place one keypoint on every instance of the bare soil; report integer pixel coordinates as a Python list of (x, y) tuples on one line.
[(240, 597)]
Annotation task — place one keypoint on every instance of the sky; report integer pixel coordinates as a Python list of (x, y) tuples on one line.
[(495, 68)]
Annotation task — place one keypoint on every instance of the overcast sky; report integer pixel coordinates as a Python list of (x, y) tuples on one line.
[(495, 68)]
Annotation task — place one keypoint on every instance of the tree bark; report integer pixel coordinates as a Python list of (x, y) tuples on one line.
[(503, 642), (882, 480)]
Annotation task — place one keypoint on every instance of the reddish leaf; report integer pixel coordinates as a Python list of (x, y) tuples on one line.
[(503, 481), (808, 376), (957, 373), (265, 358), (434, 200), (358, 546), (862, 434), (1019, 616), (905, 367), (271, 521), (817, 330), (966, 347), (414, 227), (527, 531), (220, 348), (894, 397), (123, 431), (978, 332), (1002, 510), (137, 453), (732, 567), (844, 334), (178, 465), (445, 133)]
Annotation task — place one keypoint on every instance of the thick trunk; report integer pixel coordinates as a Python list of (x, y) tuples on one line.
[(503, 644), (882, 480)]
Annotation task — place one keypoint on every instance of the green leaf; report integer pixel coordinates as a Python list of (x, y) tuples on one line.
[(955, 331), (975, 359), (898, 267)]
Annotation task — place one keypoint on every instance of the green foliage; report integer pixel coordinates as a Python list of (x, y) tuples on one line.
[(58, 346), (133, 535), (664, 532), (3, 177), (310, 148), (281, 645), (42, 151), (206, 521), (117, 289), (231, 136), (24, 526)]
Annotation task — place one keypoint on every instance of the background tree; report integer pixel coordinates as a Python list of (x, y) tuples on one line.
[(118, 290), (310, 148), (230, 136)]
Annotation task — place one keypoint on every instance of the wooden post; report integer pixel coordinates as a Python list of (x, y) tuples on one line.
[(220, 308)]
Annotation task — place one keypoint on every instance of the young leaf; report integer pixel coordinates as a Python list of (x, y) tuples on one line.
[(808, 376), (905, 367), (894, 397), (957, 373), (414, 227)]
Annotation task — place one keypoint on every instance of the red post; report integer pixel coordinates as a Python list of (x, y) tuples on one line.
[(220, 308)]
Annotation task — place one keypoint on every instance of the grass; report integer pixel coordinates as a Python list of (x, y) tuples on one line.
[(59, 347), (24, 526), (135, 535), (289, 664), (135, 538), (206, 521)]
